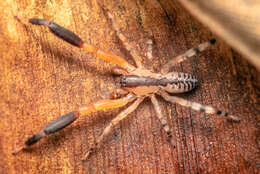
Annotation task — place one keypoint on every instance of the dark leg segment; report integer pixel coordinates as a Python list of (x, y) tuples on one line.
[(59, 31), (60, 123), (54, 126)]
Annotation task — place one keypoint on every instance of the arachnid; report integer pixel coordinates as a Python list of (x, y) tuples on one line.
[(137, 83)]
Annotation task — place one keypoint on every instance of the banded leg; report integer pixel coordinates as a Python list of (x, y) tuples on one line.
[(160, 115), (198, 106), (65, 120), (75, 40), (114, 122), (128, 46), (188, 54)]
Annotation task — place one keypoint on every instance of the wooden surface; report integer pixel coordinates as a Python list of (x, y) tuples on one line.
[(42, 77), (236, 21)]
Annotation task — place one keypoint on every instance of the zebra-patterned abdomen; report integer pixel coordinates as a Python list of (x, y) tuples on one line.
[(178, 82)]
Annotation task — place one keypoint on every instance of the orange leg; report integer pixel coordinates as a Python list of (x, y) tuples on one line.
[(106, 104), (65, 120), (75, 40)]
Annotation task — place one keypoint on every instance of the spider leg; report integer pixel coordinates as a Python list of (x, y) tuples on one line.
[(128, 46), (75, 40), (65, 120), (160, 115), (198, 106), (149, 53), (114, 122), (188, 54)]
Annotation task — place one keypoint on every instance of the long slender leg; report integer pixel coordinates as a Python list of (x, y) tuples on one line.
[(160, 115), (191, 52), (75, 40), (114, 122), (128, 46), (65, 120), (198, 106)]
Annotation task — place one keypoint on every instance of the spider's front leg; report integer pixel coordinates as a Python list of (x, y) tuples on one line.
[(65, 120), (75, 40)]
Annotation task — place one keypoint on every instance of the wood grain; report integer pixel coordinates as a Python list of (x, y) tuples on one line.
[(43, 77)]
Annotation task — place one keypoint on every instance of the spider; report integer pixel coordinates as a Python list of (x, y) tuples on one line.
[(137, 83)]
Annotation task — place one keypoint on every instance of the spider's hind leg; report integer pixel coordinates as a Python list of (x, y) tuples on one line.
[(198, 107), (160, 115)]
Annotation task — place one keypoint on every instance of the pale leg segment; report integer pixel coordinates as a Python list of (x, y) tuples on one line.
[(160, 115), (188, 54), (128, 46), (113, 123), (198, 106)]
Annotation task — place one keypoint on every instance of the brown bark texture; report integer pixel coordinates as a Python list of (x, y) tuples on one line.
[(42, 77)]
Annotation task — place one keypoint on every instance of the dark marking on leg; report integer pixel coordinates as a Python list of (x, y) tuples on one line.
[(50, 128), (169, 134), (202, 108), (35, 138), (60, 123), (196, 50), (37, 21), (165, 124), (212, 41), (59, 31), (219, 112)]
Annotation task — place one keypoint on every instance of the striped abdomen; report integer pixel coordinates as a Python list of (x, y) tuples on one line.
[(180, 82), (174, 82)]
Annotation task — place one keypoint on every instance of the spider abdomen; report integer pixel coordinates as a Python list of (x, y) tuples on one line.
[(180, 82)]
